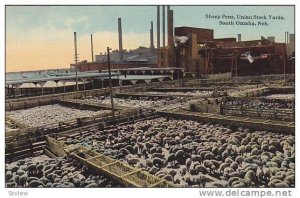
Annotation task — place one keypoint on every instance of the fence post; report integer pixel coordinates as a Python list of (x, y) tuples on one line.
[(274, 112)]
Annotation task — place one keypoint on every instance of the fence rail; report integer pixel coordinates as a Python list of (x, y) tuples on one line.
[(273, 113), (253, 123)]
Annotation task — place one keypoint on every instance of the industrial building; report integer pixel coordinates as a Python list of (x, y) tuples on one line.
[(199, 53), (204, 55)]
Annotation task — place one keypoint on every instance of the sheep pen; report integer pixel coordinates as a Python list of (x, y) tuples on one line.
[(188, 153)]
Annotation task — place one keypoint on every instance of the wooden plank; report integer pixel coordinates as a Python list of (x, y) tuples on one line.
[(48, 153), (56, 147), (115, 162), (95, 157), (156, 184), (135, 171)]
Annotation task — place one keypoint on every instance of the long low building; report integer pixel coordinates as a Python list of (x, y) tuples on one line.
[(41, 77), (31, 83)]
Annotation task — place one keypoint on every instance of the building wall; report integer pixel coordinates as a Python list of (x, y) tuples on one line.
[(114, 56), (274, 64), (187, 56), (271, 38), (192, 62), (163, 57)]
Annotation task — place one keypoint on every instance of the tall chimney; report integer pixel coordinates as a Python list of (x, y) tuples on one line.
[(76, 60), (239, 37), (164, 31), (92, 48), (151, 36), (170, 39), (75, 48), (285, 37), (158, 27), (120, 39), (170, 28)]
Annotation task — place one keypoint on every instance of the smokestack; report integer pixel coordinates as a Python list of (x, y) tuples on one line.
[(151, 36), (158, 27), (76, 60), (285, 37), (164, 31), (120, 39), (170, 28), (239, 37), (170, 39), (92, 48), (75, 48)]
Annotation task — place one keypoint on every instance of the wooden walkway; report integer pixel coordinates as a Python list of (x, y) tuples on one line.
[(115, 169)]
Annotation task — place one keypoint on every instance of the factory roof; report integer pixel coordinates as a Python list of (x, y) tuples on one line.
[(49, 84), (49, 75), (136, 59), (195, 28)]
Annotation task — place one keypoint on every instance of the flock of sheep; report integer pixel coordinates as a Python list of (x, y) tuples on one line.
[(58, 172), (49, 114), (143, 102), (187, 152)]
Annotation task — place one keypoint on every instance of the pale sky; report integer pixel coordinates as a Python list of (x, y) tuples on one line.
[(41, 37)]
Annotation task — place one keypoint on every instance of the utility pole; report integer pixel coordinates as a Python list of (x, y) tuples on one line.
[(110, 87), (76, 60), (164, 31), (158, 27)]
